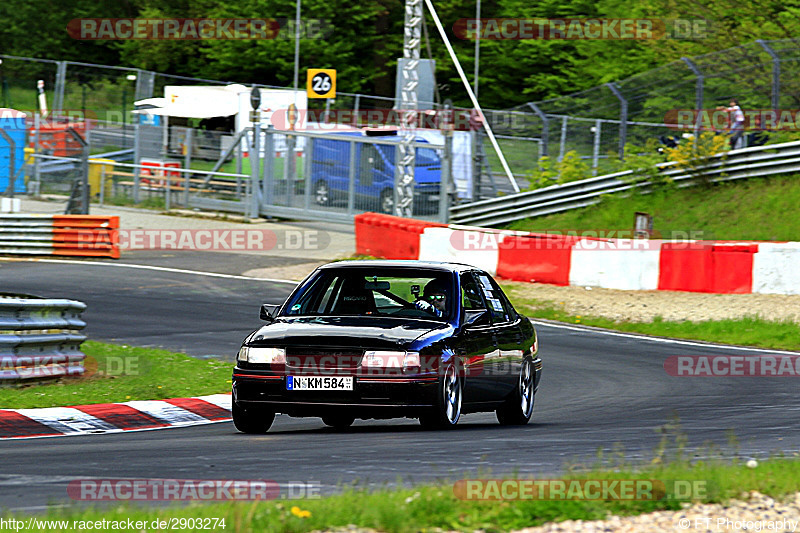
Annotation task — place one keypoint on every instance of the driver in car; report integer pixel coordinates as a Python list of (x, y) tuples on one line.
[(434, 299)]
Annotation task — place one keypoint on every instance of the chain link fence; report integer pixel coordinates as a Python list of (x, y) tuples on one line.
[(594, 125)]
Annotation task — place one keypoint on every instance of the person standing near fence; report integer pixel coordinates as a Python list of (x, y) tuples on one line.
[(736, 122)]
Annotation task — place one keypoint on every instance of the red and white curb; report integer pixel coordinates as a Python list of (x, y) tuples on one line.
[(114, 417)]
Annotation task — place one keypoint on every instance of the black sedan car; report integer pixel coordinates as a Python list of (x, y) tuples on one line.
[(387, 339)]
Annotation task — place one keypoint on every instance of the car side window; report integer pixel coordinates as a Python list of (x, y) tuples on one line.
[(470, 294), (507, 307), (492, 295)]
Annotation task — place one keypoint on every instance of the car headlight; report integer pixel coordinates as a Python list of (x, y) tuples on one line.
[(260, 355), (389, 359)]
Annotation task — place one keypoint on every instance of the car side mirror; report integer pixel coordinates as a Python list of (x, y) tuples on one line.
[(269, 312), (476, 317)]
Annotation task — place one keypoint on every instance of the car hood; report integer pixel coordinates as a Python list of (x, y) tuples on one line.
[(361, 332)]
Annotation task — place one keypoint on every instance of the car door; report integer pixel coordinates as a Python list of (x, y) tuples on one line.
[(478, 345), (508, 337)]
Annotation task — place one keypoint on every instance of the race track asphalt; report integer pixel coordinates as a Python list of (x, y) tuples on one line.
[(598, 390)]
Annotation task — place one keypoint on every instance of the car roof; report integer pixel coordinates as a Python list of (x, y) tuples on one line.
[(398, 263)]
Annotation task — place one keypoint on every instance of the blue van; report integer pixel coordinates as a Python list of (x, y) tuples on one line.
[(374, 175)]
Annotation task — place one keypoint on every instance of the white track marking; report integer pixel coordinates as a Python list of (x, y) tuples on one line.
[(172, 414), (220, 400), (150, 267), (67, 420), (665, 340)]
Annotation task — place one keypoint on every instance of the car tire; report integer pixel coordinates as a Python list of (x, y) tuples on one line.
[(252, 420), (517, 410), (447, 409), (338, 422), (387, 202), (322, 193)]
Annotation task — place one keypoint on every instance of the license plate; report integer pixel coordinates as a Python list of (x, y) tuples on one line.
[(319, 383)]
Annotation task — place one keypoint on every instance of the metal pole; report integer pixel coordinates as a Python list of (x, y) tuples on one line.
[(124, 118), (37, 174), (61, 80), (296, 47), (698, 94), (545, 129), (255, 159), (308, 154), (137, 157), (776, 74), (446, 178), (187, 161), (269, 168), (623, 118), (486, 126), (351, 176), (477, 47), (406, 162), (355, 111), (598, 127), (563, 147)]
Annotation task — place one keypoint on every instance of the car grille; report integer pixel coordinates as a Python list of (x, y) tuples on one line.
[(312, 358)]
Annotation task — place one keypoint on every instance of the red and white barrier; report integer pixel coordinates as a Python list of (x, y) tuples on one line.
[(630, 264)]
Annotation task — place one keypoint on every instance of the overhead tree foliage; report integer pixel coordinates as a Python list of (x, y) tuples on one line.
[(367, 37)]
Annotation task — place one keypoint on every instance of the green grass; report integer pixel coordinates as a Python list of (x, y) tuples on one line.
[(122, 373), (748, 331), (757, 209), (423, 508)]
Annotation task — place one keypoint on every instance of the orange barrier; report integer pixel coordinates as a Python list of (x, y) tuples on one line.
[(388, 236), (66, 235)]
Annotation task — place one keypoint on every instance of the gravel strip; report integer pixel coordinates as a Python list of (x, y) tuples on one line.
[(755, 512)]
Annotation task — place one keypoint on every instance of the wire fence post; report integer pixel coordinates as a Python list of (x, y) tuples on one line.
[(545, 129), (698, 94), (61, 81), (269, 168), (563, 144), (776, 74), (137, 157), (598, 129), (623, 118)]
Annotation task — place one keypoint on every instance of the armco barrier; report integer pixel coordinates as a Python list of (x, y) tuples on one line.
[(67, 235), (39, 338), (388, 236)]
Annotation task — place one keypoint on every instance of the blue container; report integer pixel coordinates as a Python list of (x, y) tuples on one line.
[(12, 122)]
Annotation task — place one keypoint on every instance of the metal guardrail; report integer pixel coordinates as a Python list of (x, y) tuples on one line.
[(734, 165), (40, 338)]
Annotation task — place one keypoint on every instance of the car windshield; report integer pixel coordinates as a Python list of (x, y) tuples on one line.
[(375, 292)]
